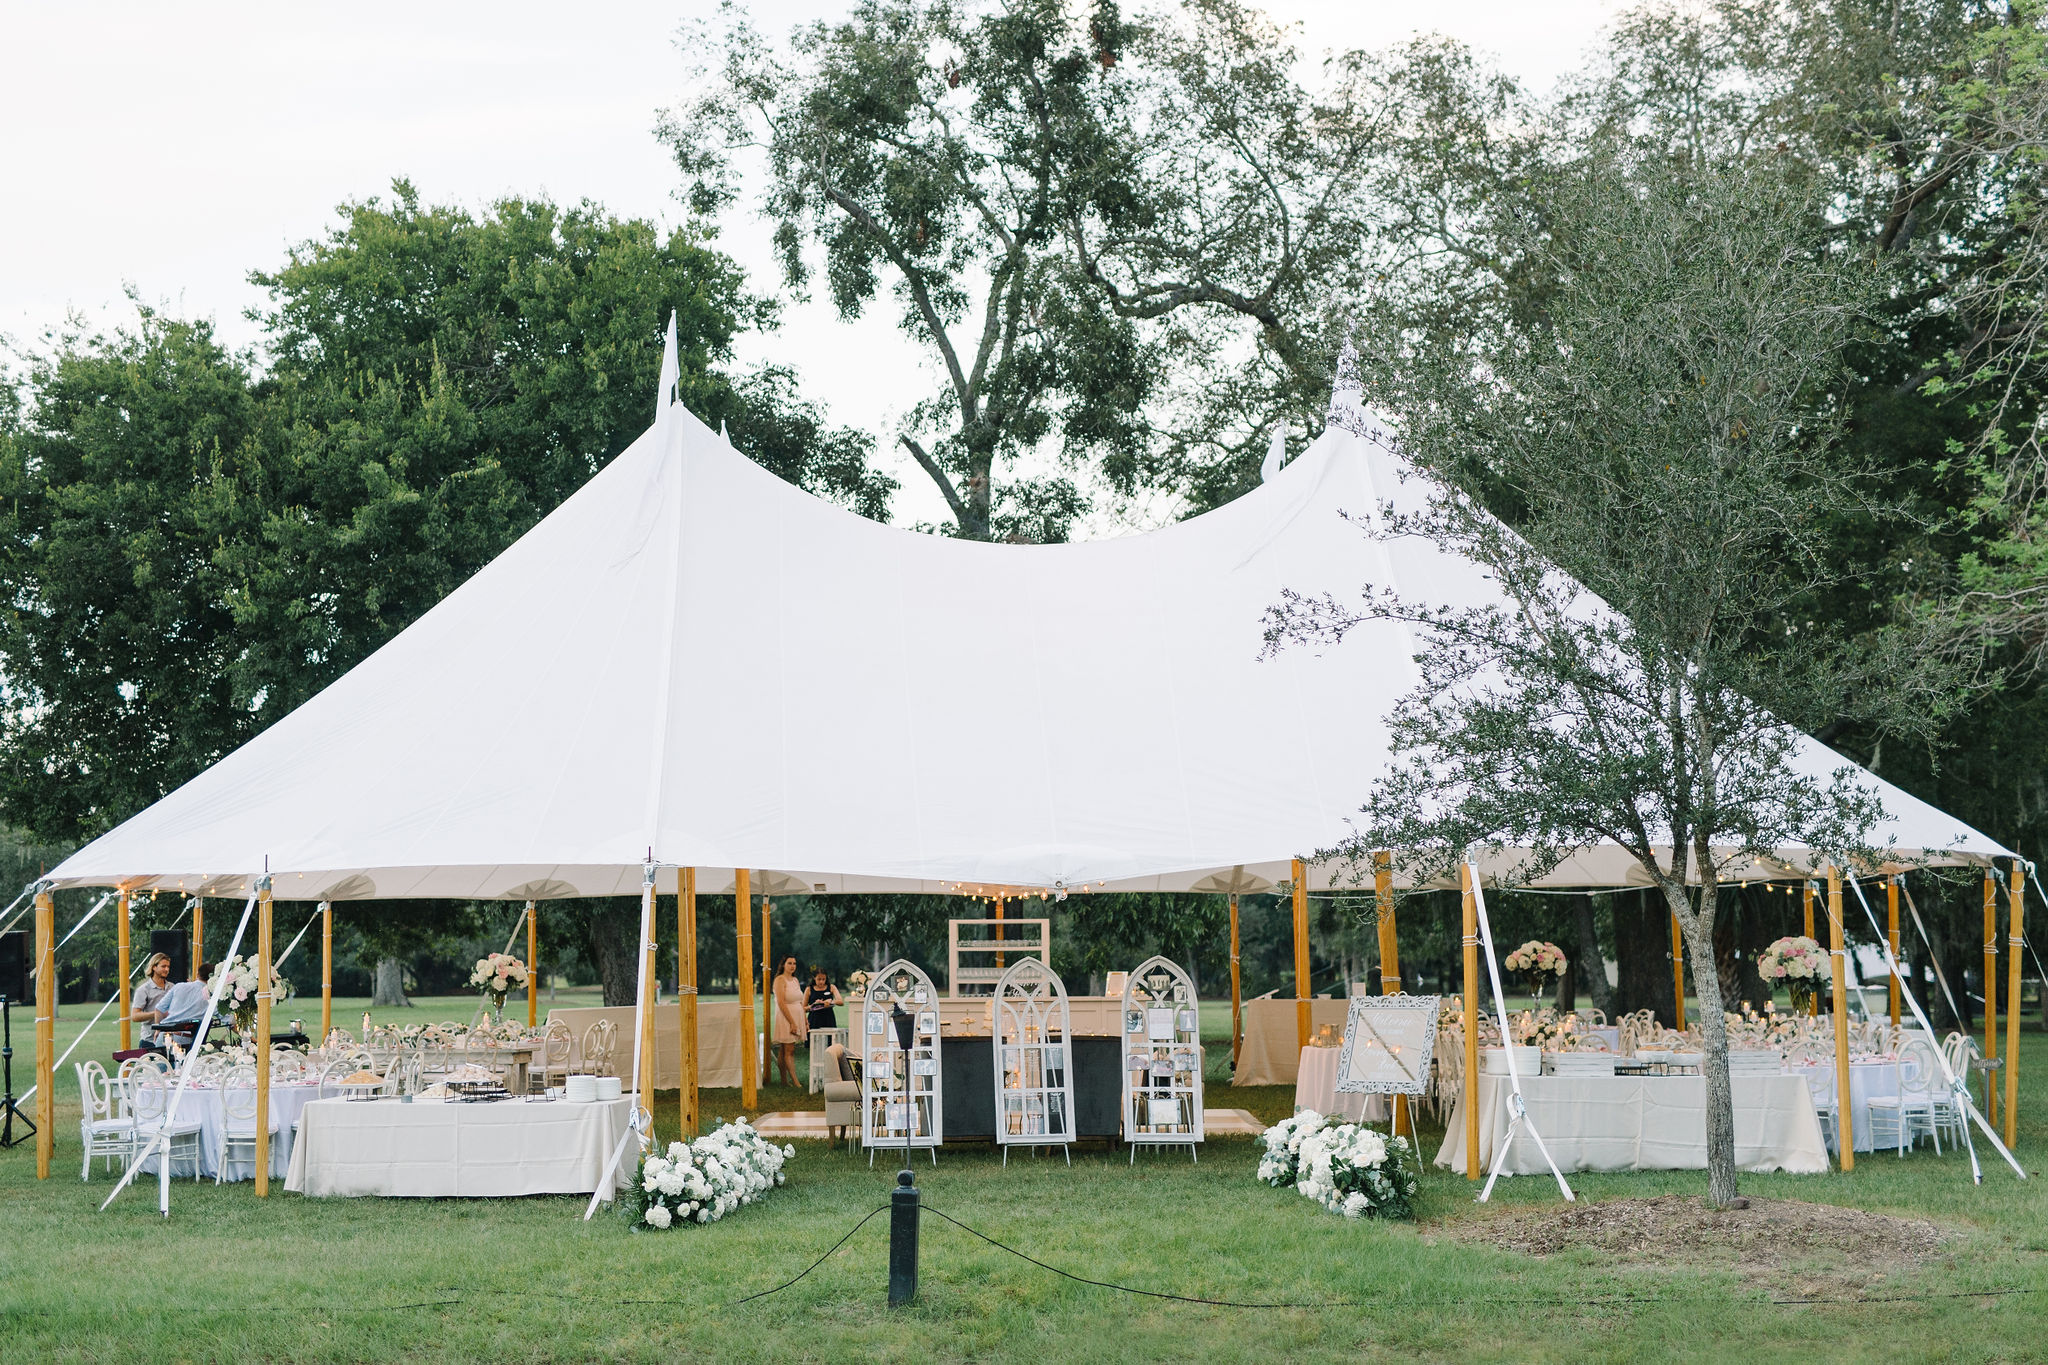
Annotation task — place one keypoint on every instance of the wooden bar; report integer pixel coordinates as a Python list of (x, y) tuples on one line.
[(1806, 893), (46, 1033), (1301, 982), (1471, 1024), (326, 970), (1677, 974), (743, 904), (1236, 990), (1838, 968), (1891, 905), (532, 966), (263, 994), (2015, 937), (1990, 995), (1390, 958), (121, 971), (686, 996)]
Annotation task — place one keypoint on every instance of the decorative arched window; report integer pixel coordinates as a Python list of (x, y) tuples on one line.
[(1162, 1043), (1034, 1075), (900, 1095)]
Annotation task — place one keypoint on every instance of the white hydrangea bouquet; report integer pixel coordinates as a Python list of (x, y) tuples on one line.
[(1536, 960), (1348, 1168), (1797, 961), (495, 976), (239, 996), (702, 1181)]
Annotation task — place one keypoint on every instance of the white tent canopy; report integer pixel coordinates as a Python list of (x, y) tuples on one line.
[(694, 663)]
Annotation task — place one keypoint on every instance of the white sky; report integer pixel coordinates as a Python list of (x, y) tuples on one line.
[(178, 147)]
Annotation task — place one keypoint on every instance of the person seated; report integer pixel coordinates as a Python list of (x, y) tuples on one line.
[(181, 1008)]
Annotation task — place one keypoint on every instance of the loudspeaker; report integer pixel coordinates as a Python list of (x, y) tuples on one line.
[(177, 946), (14, 952)]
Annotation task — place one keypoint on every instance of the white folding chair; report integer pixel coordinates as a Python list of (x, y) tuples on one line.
[(105, 1129)]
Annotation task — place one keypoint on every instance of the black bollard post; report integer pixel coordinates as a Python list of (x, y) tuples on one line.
[(903, 1200), (903, 1206)]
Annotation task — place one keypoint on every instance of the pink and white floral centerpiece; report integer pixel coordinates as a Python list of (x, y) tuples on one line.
[(495, 976), (1799, 963), (1536, 960), (239, 996)]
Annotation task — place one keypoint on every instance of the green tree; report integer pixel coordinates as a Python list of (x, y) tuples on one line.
[(1669, 439)]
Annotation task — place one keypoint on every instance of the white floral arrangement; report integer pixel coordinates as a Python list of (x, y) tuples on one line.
[(1348, 1168), (239, 995), (1536, 959), (496, 975), (1798, 962), (857, 984), (703, 1181)]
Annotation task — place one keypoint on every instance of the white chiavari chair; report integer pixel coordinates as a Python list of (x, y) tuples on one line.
[(151, 1093), (106, 1129)]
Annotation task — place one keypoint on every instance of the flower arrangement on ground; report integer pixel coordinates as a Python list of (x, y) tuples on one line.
[(1797, 961), (1536, 960), (239, 995), (702, 1181), (1348, 1168), (496, 975)]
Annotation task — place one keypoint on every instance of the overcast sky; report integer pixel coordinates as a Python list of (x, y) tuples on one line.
[(177, 147)]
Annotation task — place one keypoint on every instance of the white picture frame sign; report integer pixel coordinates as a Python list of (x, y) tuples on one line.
[(1388, 1043)]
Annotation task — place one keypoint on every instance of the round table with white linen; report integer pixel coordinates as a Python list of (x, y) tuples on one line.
[(1869, 1078), (204, 1103), (1315, 1087)]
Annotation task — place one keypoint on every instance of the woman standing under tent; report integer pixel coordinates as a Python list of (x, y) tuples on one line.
[(786, 1020), (819, 999)]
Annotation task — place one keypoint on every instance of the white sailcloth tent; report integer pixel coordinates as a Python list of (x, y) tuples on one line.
[(693, 663)]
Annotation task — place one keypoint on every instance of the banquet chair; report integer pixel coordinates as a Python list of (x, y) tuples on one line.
[(842, 1095), (238, 1108), (152, 1099), (106, 1129), (1901, 1118), (600, 1041), (556, 1046)]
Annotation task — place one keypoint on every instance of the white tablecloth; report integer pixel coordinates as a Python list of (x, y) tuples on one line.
[(1272, 1043), (287, 1102), (1641, 1123), (1315, 1087), (514, 1147)]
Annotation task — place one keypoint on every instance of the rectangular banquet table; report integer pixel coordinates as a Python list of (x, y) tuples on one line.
[(1641, 1123), (511, 1147)]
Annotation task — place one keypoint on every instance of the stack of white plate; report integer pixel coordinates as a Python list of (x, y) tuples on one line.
[(580, 1089), (609, 1088)]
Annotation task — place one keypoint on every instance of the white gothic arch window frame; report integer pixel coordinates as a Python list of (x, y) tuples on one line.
[(887, 1077), (1162, 1058), (1034, 1072)]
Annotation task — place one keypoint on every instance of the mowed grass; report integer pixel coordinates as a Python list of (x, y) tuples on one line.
[(232, 1277)]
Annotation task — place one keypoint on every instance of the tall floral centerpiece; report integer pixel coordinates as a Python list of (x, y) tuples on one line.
[(1538, 962), (238, 996), (495, 976), (1799, 963)]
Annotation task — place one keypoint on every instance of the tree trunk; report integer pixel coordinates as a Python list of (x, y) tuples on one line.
[(1567, 997), (1593, 963), (1698, 929), (388, 988), (1642, 946), (614, 936)]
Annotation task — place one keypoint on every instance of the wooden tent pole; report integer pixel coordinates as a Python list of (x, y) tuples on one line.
[(743, 905), (2016, 914), (1471, 1024), (326, 970), (645, 1080), (1301, 1011), (198, 934), (122, 969), (1236, 990), (686, 995), (263, 997), (1838, 968), (1891, 905), (532, 966), (1806, 894), (1990, 995), (1390, 957), (46, 1032), (999, 929), (1677, 974), (768, 1008)]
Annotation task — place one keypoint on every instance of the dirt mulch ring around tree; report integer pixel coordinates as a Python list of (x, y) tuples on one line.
[(1787, 1245)]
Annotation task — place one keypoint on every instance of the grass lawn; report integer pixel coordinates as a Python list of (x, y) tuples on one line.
[(294, 1279)]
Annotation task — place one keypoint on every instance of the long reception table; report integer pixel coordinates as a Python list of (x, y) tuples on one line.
[(1640, 1123), (425, 1150)]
